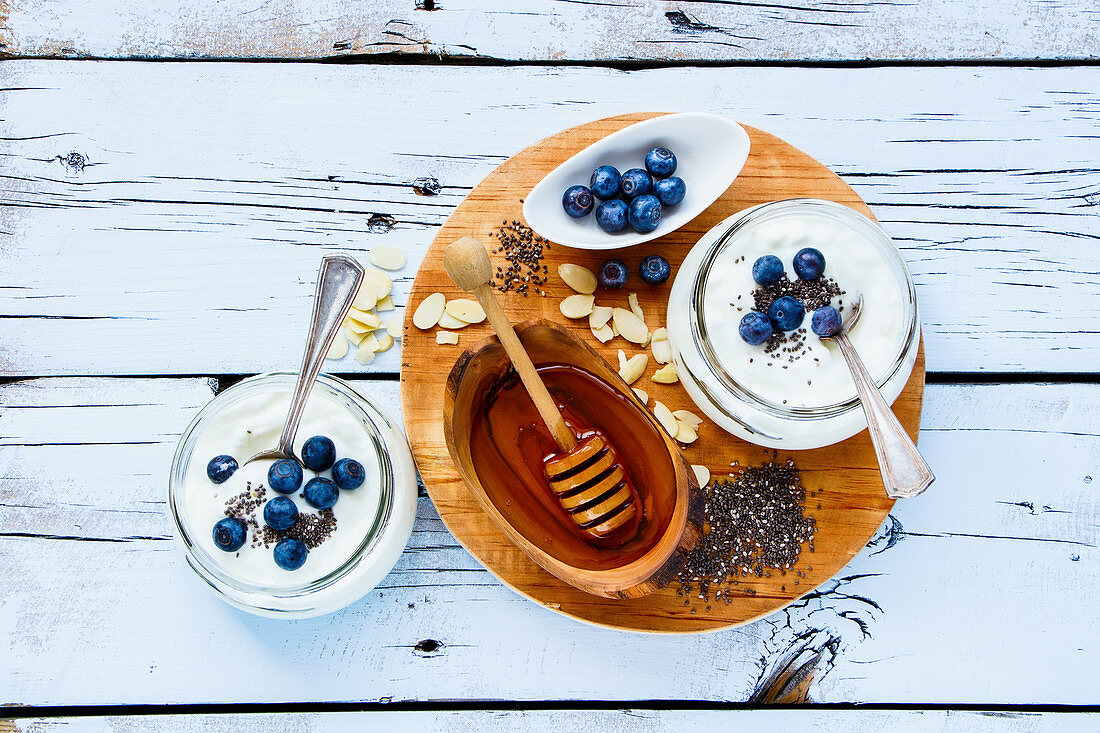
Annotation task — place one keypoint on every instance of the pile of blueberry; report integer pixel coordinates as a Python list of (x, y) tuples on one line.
[(634, 197), (787, 313), (285, 476)]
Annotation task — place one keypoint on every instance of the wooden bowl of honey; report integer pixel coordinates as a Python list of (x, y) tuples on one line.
[(498, 443)]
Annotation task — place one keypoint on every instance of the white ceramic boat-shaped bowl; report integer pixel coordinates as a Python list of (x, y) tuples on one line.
[(710, 151)]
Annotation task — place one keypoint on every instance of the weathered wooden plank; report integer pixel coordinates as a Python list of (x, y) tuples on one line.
[(941, 608), (138, 233), (632, 720), (556, 29)]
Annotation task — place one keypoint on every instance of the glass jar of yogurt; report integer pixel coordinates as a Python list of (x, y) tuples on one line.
[(352, 546), (797, 394)]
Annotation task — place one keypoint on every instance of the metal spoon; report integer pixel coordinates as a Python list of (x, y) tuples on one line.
[(904, 472), (338, 282)]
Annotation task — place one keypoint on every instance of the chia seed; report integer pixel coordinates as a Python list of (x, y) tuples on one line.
[(813, 294), (247, 506), (524, 251)]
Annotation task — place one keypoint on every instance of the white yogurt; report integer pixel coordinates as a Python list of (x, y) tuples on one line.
[(818, 377), (252, 425)]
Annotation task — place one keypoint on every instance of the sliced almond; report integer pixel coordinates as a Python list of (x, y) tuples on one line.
[(634, 368), (661, 348), (364, 355), (599, 316), (666, 375), (384, 341), (446, 337), (702, 474), (388, 258), (689, 417), (577, 306), (393, 325), (339, 348), (370, 343), (356, 328), (466, 310), (379, 282), (642, 395), (664, 416), (604, 333), (636, 309), (448, 321), (385, 304), (579, 278), (428, 312), (629, 326), (685, 433), (355, 338), (365, 299), (622, 359), (370, 320)]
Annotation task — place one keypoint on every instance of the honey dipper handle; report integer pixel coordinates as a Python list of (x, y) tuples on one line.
[(467, 262)]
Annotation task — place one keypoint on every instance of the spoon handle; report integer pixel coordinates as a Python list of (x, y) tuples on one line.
[(904, 472), (337, 285)]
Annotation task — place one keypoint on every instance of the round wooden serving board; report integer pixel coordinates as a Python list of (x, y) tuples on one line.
[(844, 490)]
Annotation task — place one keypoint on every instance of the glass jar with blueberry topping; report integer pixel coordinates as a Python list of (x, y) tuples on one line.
[(740, 320), (300, 540)]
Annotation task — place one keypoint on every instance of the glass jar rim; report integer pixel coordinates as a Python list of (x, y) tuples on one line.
[(203, 562), (754, 215)]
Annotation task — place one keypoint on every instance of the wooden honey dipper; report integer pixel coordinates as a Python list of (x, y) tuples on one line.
[(586, 476)]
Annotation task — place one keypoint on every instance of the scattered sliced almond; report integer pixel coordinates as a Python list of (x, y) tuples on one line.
[(688, 417), (604, 333), (622, 359), (370, 343), (685, 433), (577, 306), (339, 348), (664, 416), (666, 375), (384, 341), (428, 312), (356, 328), (446, 337), (634, 368), (636, 309), (365, 299), (393, 326), (355, 337), (642, 395), (385, 304), (370, 320), (599, 316), (579, 278), (702, 474), (629, 326), (466, 310), (662, 349), (364, 355), (379, 282), (388, 258), (448, 321)]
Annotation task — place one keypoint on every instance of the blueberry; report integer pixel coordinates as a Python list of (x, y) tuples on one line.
[(577, 201), (612, 215), (755, 328), (786, 313), (221, 468), (660, 162), (636, 182), (767, 270), (284, 476), (348, 474), (318, 453), (826, 321), (605, 182), (320, 493), (655, 269), (290, 554), (645, 213), (613, 274), (280, 513), (809, 263), (229, 534), (670, 190)]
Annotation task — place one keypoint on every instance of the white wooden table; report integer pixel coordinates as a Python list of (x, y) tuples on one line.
[(160, 224)]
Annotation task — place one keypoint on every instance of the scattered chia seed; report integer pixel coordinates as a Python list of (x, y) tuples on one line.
[(524, 251), (813, 294), (755, 523), (247, 506)]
